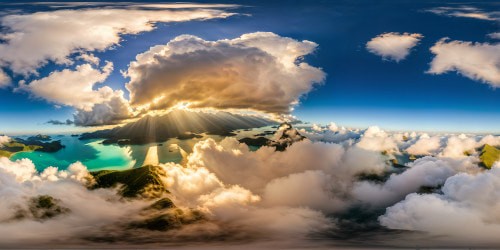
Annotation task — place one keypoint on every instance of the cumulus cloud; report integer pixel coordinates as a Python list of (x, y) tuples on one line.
[(32, 40), (377, 139), (259, 71), (425, 145), (73, 87), (76, 88), (194, 185), (466, 199), (424, 172), (112, 111), (477, 61), (4, 79), (87, 211), (393, 46)]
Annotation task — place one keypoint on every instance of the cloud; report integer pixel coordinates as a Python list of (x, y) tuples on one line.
[(393, 46), (4, 139), (57, 122), (32, 40), (88, 211), (467, 12), (424, 172), (425, 145), (73, 87), (466, 199), (495, 35), (112, 111), (194, 185), (5, 80), (269, 194), (477, 61), (377, 139), (258, 71)]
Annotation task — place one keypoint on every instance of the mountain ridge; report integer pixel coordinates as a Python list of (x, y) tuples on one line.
[(178, 123)]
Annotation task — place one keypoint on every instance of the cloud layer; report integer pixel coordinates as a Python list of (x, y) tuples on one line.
[(258, 71), (393, 46), (277, 195)]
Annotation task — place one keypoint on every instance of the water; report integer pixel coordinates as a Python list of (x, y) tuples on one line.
[(97, 156)]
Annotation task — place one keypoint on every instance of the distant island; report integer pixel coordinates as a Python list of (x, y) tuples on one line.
[(182, 124), (41, 143)]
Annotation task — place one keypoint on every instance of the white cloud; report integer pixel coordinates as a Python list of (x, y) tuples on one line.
[(258, 71), (4, 79), (377, 139), (88, 210), (4, 139), (34, 39), (392, 45), (477, 61), (427, 171), (495, 35), (73, 87), (425, 145), (467, 199), (467, 12)]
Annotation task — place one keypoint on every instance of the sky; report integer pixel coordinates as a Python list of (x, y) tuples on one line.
[(401, 65)]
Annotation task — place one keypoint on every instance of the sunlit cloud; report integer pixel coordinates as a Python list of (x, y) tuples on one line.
[(257, 71), (466, 12), (393, 46), (32, 40), (4, 79), (73, 87)]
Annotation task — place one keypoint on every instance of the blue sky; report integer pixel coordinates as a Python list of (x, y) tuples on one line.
[(361, 88)]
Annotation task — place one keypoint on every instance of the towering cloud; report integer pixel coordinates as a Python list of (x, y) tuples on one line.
[(477, 61), (258, 71), (31, 40), (393, 46)]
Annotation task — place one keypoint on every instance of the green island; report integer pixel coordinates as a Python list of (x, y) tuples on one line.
[(34, 143), (489, 155), (145, 182)]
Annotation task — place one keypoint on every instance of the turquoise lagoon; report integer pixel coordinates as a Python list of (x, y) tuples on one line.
[(97, 156)]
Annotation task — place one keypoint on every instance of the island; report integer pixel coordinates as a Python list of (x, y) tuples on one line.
[(33, 143)]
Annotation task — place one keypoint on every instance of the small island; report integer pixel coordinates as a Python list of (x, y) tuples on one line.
[(33, 143)]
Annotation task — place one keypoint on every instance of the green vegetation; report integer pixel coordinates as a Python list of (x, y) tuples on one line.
[(12, 147), (144, 181), (39, 137), (489, 155)]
